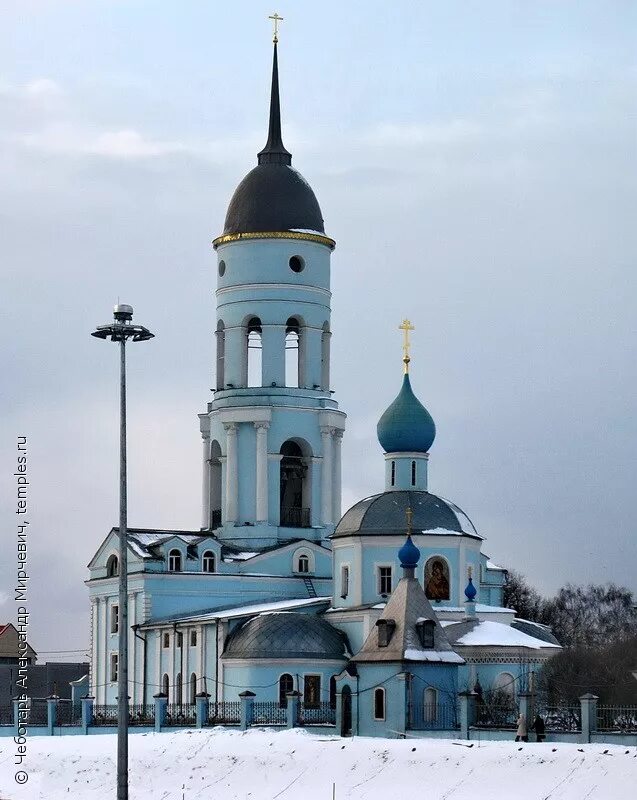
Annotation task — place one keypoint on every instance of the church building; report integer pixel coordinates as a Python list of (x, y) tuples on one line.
[(389, 610)]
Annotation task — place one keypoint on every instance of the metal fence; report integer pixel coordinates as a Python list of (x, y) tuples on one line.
[(268, 713), (319, 714), (141, 714), (6, 714), (433, 716), (104, 715), (618, 719), (180, 714), (224, 712), (560, 719), (496, 716), (295, 517), (38, 714), (67, 714)]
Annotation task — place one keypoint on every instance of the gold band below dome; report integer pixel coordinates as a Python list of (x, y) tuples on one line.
[(306, 237)]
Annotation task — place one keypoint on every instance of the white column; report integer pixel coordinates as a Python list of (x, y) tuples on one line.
[(205, 484), (326, 477), (107, 655), (338, 440), (232, 472), (262, 471), (132, 649), (95, 611)]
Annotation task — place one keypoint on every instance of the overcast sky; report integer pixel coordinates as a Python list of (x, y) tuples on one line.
[(475, 162)]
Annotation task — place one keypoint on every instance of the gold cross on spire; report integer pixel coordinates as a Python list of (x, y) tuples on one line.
[(275, 19), (406, 327)]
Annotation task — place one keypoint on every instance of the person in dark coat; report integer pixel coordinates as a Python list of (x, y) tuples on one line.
[(539, 728)]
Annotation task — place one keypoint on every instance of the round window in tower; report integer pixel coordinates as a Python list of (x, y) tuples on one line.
[(222, 268), (297, 264)]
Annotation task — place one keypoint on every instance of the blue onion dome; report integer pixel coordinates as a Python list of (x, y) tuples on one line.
[(409, 554), (406, 426), (470, 592)]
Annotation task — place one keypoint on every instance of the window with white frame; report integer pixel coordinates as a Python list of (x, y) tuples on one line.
[(193, 638), (112, 567), (174, 561), (114, 664), (166, 639), (344, 581), (379, 704), (114, 619), (303, 564), (384, 580), (180, 639), (208, 561), (311, 691)]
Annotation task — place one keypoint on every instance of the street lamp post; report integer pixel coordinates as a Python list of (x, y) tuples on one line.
[(120, 330)]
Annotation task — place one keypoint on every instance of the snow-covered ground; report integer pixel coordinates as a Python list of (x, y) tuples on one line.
[(265, 765)]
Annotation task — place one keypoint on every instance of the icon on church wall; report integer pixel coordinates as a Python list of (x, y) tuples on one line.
[(437, 579)]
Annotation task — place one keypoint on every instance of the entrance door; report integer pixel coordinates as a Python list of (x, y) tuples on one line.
[(346, 711)]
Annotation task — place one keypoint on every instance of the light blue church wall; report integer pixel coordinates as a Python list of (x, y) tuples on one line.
[(263, 679)]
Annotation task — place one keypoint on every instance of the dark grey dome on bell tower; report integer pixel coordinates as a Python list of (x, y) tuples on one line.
[(273, 196)]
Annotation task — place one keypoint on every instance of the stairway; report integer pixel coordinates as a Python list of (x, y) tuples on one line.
[(311, 591)]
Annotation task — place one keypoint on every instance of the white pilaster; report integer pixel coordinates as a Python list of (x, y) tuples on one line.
[(205, 485), (95, 610), (105, 628), (326, 477), (232, 473), (262, 471), (336, 491)]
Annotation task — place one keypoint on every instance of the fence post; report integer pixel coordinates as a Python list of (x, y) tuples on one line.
[(201, 709), (294, 698), (588, 703), (51, 713), (247, 709), (87, 712), (161, 706), (467, 712)]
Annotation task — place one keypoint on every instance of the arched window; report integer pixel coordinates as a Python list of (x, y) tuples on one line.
[(286, 685), (325, 357), (413, 473), (215, 485), (193, 688), (437, 581), (393, 473), (379, 704), (505, 684), (255, 352), (333, 691), (294, 487), (221, 354), (430, 704), (208, 561), (292, 353), (112, 567), (179, 697), (174, 561), (165, 685), (303, 564)]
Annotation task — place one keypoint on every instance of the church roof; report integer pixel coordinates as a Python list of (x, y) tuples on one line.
[(384, 514), (475, 633), (274, 197), (286, 635), (408, 606)]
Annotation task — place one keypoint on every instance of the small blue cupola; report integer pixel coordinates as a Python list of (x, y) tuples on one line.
[(406, 432)]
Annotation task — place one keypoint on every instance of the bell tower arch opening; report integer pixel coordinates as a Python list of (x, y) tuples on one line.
[(293, 353), (254, 346), (295, 491)]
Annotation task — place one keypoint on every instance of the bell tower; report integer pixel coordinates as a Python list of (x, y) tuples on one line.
[(272, 434)]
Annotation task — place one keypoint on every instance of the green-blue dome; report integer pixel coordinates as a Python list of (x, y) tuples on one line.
[(406, 426)]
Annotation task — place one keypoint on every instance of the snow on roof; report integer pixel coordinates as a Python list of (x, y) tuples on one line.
[(498, 634), (481, 608), (445, 657), (491, 565), (244, 556), (244, 611)]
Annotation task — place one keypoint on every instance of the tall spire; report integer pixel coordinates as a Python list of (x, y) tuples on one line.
[(274, 151)]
